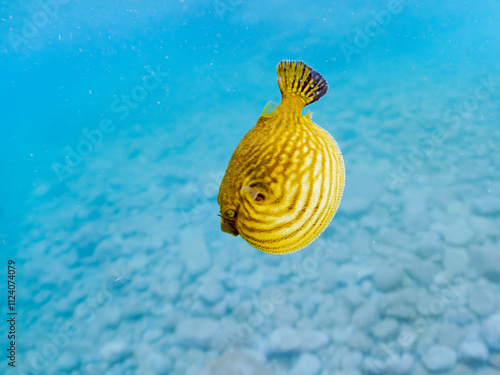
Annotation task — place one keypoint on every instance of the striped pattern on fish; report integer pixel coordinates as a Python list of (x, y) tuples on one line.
[(285, 180)]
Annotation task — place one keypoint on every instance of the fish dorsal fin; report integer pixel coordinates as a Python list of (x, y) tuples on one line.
[(269, 109)]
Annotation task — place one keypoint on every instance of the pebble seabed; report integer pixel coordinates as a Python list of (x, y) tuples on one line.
[(406, 280)]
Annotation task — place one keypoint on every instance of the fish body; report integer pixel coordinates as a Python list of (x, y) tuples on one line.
[(285, 179)]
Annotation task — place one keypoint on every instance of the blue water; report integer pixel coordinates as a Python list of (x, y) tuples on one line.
[(118, 120)]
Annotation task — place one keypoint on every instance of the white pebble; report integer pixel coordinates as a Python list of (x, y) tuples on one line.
[(196, 331), (486, 260), (365, 315), (286, 314), (395, 237), (481, 298), (386, 329), (194, 250), (354, 206), (495, 360), (312, 340), (388, 278), (114, 351), (423, 271), (439, 358), (159, 363), (484, 371), (237, 362), (402, 310), (361, 341), (283, 340), (211, 292), (450, 335), (152, 334), (245, 265), (398, 365), (458, 233), (456, 260), (352, 360), (483, 226), (474, 351), (491, 332), (366, 288), (67, 361), (307, 364), (342, 334), (487, 205), (352, 273), (113, 316)]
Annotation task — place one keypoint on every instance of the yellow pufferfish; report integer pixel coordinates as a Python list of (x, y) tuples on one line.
[(285, 179)]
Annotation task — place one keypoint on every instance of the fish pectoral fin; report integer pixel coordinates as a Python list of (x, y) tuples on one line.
[(269, 109), (256, 191)]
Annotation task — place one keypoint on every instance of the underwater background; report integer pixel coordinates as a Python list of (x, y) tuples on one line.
[(118, 119)]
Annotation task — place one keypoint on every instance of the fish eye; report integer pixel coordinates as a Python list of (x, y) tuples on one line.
[(230, 213)]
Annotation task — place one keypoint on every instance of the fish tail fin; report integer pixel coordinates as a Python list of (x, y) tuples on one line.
[(296, 78)]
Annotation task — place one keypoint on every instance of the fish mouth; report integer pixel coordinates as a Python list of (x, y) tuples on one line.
[(228, 226)]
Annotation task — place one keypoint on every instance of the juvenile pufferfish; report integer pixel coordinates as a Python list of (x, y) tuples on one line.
[(285, 179)]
